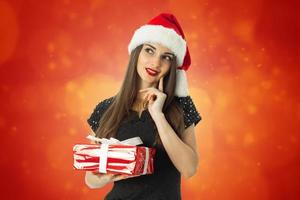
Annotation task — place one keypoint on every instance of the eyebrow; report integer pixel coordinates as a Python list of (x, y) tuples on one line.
[(165, 52)]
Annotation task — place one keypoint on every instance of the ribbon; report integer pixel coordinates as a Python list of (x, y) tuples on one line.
[(131, 141), (104, 149)]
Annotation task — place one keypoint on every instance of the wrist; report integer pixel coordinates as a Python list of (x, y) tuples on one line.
[(158, 116)]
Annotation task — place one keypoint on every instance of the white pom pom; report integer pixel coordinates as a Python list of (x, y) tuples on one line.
[(181, 89)]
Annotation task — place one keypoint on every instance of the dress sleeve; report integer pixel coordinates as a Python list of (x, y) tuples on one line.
[(97, 113), (190, 113)]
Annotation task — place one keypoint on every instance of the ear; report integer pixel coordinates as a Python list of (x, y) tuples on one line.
[(181, 89)]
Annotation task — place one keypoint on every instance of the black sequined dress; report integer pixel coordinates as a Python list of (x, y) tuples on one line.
[(164, 183)]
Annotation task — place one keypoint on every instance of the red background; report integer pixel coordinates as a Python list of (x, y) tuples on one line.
[(58, 59)]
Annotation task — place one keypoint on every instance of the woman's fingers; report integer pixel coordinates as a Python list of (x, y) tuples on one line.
[(151, 94), (119, 177), (123, 176), (148, 96), (143, 90), (161, 84), (113, 177)]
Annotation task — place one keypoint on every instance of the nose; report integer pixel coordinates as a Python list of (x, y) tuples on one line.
[(155, 61)]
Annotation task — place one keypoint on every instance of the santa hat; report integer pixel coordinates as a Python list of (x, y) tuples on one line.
[(165, 30)]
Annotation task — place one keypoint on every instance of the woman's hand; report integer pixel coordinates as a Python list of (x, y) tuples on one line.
[(155, 98), (96, 180), (109, 178)]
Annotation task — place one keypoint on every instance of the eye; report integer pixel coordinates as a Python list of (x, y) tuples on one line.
[(168, 58), (148, 50)]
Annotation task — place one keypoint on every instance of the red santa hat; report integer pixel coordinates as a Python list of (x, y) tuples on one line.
[(165, 30)]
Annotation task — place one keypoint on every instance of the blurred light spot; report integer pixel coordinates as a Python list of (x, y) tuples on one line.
[(66, 61), (248, 139), (275, 71), (27, 171), (24, 163), (244, 30), (42, 138), (72, 131), (293, 139), (223, 60), (254, 92), (193, 35), (81, 95), (60, 115), (298, 112), (51, 47), (78, 53), (89, 21), (71, 86), (259, 65), (251, 109), (246, 59), (9, 31), (51, 65), (222, 101), (95, 4), (229, 49), (279, 147), (54, 165), (266, 85), (4, 88), (277, 98), (230, 139), (68, 186), (72, 16), (14, 128), (194, 16), (2, 122), (215, 30), (85, 190)]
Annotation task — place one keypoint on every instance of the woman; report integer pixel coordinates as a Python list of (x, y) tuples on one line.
[(153, 103)]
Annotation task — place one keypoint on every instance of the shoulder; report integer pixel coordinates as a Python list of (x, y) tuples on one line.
[(98, 111), (103, 104), (190, 112)]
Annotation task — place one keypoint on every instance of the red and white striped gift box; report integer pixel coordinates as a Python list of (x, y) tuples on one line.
[(113, 156)]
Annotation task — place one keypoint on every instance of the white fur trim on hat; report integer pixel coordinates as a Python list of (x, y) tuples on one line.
[(181, 89), (162, 35)]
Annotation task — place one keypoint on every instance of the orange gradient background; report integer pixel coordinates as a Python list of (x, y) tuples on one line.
[(58, 59)]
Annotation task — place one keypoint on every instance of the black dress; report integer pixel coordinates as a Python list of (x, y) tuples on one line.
[(164, 183)]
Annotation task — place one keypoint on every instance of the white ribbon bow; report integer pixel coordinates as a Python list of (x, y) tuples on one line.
[(131, 141), (104, 149)]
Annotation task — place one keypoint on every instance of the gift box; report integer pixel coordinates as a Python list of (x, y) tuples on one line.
[(114, 156)]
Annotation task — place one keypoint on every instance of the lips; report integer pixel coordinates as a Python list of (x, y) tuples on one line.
[(152, 72)]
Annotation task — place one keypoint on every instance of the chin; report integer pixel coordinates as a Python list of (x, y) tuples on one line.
[(149, 82), (149, 78)]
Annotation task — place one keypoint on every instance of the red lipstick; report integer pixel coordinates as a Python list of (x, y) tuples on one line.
[(151, 72)]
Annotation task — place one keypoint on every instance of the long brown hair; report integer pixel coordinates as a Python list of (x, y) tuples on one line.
[(124, 99)]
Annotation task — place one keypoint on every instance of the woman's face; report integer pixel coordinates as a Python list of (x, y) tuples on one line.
[(153, 63)]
